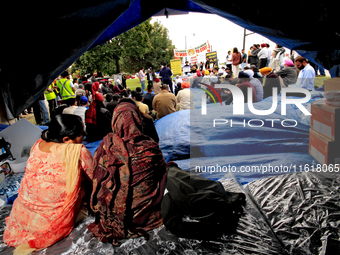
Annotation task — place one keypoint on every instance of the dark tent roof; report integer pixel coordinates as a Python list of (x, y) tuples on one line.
[(40, 41)]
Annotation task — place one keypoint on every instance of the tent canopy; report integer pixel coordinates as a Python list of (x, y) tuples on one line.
[(39, 42)]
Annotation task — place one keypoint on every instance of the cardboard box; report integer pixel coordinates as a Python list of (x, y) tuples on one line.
[(332, 84), (323, 149), (325, 119)]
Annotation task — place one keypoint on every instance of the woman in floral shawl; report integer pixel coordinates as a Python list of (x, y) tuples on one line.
[(129, 175), (52, 190)]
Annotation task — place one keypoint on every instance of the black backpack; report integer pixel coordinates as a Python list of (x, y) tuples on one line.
[(199, 208)]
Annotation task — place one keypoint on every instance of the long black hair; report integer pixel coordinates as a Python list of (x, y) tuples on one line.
[(63, 125)]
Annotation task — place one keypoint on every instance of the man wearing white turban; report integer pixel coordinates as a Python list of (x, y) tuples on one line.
[(257, 85)]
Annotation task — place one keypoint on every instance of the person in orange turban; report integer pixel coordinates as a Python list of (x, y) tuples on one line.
[(265, 70)]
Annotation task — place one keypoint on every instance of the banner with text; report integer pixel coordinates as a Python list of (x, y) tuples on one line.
[(205, 47), (176, 66)]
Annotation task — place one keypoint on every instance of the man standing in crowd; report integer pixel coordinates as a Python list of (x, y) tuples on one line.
[(229, 60), (164, 103), (40, 111), (277, 56), (263, 55), (269, 55), (186, 68), (253, 58), (244, 59), (207, 63), (194, 68), (166, 74), (141, 76), (51, 97), (150, 76), (66, 88), (306, 75)]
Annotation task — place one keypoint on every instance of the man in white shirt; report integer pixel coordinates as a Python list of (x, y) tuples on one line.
[(229, 62), (306, 75), (269, 54), (178, 79), (81, 109), (72, 106), (78, 110), (221, 71)]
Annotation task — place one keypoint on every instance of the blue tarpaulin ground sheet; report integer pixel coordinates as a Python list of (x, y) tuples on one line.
[(191, 140), (287, 211)]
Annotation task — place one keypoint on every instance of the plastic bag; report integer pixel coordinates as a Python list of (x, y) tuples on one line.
[(333, 95), (332, 102)]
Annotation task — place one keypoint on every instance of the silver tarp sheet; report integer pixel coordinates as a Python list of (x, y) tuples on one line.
[(296, 213)]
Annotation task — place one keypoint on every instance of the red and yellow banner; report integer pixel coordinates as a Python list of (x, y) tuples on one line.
[(193, 51)]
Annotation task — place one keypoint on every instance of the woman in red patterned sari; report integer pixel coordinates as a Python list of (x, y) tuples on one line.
[(51, 192), (129, 176)]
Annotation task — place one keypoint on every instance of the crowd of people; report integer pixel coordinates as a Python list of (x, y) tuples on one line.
[(262, 70), (123, 184), (94, 100)]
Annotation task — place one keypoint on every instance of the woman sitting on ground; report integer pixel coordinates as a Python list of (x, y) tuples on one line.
[(129, 176), (52, 190), (97, 118)]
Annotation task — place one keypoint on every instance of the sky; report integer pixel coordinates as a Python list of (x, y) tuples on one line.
[(196, 28)]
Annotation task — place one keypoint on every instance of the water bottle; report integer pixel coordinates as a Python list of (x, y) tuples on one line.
[(3, 197)]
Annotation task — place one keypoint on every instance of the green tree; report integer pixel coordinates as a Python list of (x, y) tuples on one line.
[(145, 45), (162, 48), (103, 58), (136, 46)]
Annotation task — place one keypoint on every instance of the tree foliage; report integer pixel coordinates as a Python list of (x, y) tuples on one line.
[(145, 45)]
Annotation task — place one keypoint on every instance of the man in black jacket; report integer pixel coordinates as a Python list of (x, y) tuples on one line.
[(150, 75), (166, 74), (253, 59)]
